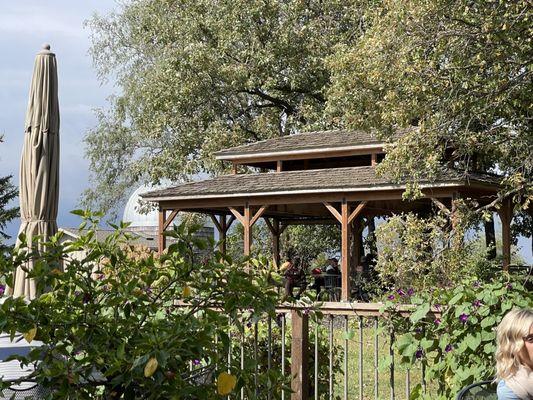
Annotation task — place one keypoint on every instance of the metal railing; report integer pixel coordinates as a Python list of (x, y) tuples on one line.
[(339, 352)]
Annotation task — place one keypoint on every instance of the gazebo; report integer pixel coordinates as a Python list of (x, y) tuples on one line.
[(324, 177)]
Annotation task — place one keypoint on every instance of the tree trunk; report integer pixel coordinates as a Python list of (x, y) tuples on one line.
[(490, 238)]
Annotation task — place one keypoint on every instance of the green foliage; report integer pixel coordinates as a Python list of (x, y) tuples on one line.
[(112, 325), (313, 241), (421, 253), (459, 70), (8, 192), (198, 76), (452, 330)]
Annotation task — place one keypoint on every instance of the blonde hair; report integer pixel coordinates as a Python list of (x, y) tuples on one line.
[(510, 333)]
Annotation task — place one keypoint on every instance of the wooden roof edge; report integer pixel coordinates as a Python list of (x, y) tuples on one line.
[(152, 197), (310, 152)]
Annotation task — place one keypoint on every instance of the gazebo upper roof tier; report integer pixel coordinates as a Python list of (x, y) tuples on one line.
[(335, 181), (306, 145)]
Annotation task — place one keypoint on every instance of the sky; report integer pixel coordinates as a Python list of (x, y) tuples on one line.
[(24, 26)]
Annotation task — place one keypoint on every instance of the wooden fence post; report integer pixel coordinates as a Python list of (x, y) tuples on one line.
[(300, 356)]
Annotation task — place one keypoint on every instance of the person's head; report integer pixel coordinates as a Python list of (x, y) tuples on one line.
[(333, 262), (514, 342)]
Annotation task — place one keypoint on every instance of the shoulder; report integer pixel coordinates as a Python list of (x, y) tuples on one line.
[(504, 393)]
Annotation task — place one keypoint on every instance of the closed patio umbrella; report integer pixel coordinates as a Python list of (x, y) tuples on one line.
[(39, 165)]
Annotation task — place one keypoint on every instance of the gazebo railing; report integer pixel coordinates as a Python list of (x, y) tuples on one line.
[(339, 351)]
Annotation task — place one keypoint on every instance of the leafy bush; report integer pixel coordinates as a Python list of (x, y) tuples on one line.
[(112, 323), (452, 330)]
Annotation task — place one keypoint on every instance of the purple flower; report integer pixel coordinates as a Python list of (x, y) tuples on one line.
[(418, 330), (100, 277), (195, 362), (437, 307), (391, 297), (400, 292), (476, 284), (448, 348), (148, 290), (509, 286), (476, 303), (463, 318), (77, 293), (437, 321), (2, 289), (306, 311), (419, 353), (410, 292), (249, 324)]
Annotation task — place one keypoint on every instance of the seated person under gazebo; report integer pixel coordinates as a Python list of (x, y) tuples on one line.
[(294, 273)]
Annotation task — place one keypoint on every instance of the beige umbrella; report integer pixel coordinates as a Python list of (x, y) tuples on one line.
[(39, 164)]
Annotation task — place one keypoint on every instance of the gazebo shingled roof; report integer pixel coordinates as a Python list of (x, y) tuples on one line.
[(306, 181), (306, 142)]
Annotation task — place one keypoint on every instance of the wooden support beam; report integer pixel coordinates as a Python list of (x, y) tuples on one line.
[(246, 223), (161, 238), (374, 159), (170, 218), (216, 223), (229, 222), (334, 211), (234, 168), (279, 166), (357, 211), (222, 228), (506, 215), (357, 244), (275, 245), (237, 214), (300, 356), (258, 214), (271, 227), (345, 252), (441, 206), (222, 240)]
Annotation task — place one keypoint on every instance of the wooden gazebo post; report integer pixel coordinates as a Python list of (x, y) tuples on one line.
[(222, 224), (276, 230), (164, 223), (247, 221), (345, 218)]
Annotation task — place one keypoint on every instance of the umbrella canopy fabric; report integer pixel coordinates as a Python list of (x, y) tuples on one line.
[(39, 165)]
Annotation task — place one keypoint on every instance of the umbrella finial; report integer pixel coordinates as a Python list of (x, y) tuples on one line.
[(45, 51)]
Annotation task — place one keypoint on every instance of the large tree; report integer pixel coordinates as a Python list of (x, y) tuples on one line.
[(458, 69), (196, 76), (8, 192)]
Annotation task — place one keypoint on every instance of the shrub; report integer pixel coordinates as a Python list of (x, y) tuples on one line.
[(452, 330), (112, 325)]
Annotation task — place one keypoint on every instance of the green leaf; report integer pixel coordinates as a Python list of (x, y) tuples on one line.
[(473, 341), (455, 299), (488, 321), (420, 313)]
